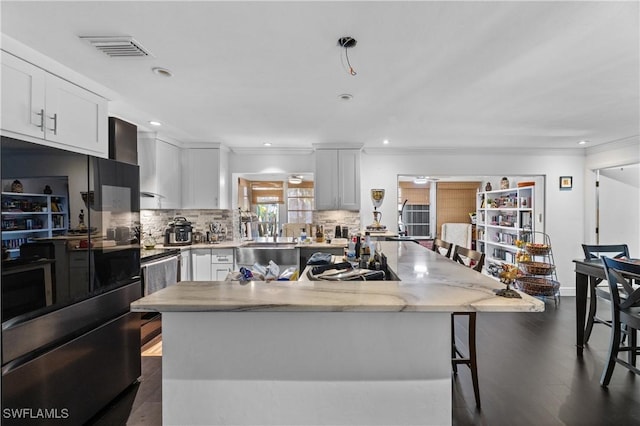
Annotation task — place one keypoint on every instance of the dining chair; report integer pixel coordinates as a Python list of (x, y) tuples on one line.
[(592, 252), (625, 311), (469, 257), (474, 260), (440, 245)]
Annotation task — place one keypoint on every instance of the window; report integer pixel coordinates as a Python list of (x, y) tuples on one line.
[(300, 202), (415, 215), (266, 198), (416, 219)]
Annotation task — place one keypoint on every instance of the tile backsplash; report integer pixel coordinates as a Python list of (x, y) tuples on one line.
[(155, 221)]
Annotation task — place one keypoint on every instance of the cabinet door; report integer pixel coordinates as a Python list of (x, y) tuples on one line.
[(168, 175), (349, 179), (75, 117), (185, 265), (22, 97), (201, 264), (220, 271), (200, 178), (326, 182)]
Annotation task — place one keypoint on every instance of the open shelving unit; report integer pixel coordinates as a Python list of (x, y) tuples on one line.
[(502, 217), (28, 216)]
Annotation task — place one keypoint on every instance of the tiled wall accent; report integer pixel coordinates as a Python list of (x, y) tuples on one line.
[(155, 221), (331, 218)]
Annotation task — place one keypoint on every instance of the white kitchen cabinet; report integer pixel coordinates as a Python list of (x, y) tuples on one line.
[(221, 263), (185, 265), (42, 108), (201, 264), (160, 173), (204, 181), (337, 184)]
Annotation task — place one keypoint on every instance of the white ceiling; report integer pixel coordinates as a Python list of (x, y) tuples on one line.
[(429, 74)]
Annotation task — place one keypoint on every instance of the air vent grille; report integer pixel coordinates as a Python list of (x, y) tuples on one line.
[(117, 47)]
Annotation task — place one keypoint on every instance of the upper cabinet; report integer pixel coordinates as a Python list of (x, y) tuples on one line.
[(337, 179), (160, 173), (204, 180), (42, 108)]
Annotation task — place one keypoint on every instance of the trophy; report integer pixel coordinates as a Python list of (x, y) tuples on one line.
[(377, 196)]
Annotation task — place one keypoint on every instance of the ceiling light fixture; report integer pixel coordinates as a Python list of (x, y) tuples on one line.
[(267, 144), (162, 72), (155, 123), (345, 96), (386, 141), (420, 180), (583, 142), (295, 179), (347, 43)]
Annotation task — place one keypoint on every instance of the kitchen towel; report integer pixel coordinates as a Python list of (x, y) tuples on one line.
[(160, 274)]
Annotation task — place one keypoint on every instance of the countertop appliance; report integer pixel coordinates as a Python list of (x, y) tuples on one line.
[(67, 331), (179, 232)]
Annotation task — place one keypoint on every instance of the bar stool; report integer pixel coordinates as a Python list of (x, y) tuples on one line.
[(475, 260)]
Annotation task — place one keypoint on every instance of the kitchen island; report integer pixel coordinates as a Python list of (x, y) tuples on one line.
[(320, 352)]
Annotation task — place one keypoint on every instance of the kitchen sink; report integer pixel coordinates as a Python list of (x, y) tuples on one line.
[(270, 242), (282, 251), (272, 245)]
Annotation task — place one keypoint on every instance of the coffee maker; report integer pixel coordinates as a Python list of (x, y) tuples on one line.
[(377, 196)]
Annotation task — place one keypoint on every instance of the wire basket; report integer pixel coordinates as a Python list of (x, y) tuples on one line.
[(537, 286), (537, 249), (538, 268)]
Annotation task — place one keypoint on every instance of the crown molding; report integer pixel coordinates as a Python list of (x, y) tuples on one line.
[(271, 151), (494, 151), (337, 145), (626, 142)]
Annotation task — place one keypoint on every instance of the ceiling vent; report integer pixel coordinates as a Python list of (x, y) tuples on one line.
[(117, 46)]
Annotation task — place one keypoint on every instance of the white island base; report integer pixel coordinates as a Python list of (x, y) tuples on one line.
[(296, 368)]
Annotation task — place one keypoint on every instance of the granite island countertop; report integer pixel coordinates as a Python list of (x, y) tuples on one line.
[(429, 283)]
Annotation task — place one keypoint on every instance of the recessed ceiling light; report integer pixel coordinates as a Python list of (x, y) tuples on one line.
[(346, 96), (155, 123), (162, 71), (583, 142), (267, 144), (386, 141)]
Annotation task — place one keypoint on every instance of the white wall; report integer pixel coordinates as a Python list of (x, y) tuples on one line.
[(603, 156), (564, 210), (619, 207)]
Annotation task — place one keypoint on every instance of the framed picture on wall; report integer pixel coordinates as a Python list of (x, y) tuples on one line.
[(566, 182)]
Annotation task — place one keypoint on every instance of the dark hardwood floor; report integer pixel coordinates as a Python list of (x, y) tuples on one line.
[(529, 375)]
